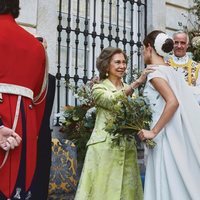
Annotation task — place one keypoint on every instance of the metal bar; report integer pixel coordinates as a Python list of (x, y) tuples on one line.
[(131, 41), (110, 23), (58, 74), (102, 24), (124, 28), (94, 37), (68, 31), (77, 31), (117, 39), (85, 78), (139, 44)]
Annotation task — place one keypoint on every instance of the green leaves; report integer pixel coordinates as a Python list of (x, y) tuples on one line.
[(129, 118), (79, 120), (78, 125)]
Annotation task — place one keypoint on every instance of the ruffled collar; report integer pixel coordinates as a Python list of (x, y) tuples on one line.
[(180, 60)]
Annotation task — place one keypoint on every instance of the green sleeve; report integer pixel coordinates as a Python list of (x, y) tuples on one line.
[(105, 98)]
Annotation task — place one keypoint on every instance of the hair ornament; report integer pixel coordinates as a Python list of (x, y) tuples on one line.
[(159, 41)]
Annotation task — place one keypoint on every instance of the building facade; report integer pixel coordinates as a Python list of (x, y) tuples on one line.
[(42, 17)]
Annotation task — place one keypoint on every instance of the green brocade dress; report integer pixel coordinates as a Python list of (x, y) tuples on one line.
[(109, 172)]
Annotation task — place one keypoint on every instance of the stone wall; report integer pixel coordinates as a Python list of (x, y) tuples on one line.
[(39, 17), (168, 15)]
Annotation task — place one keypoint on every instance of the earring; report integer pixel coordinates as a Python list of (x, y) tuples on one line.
[(106, 74)]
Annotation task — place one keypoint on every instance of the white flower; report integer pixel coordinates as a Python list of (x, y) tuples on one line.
[(90, 112), (59, 114), (196, 41)]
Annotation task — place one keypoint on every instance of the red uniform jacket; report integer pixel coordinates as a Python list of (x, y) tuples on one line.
[(22, 62)]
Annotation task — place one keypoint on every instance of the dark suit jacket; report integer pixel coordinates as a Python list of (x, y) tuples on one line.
[(41, 179)]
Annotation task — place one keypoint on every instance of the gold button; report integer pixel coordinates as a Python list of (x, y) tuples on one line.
[(120, 162), (30, 106)]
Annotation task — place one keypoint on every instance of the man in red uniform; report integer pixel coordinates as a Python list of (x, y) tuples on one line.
[(23, 79)]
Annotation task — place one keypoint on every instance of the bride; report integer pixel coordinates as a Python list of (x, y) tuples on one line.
[(173, 166)]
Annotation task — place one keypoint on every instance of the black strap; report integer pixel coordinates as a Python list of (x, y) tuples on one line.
[(1, 122)]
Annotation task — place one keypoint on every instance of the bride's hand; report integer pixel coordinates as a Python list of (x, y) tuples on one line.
[(146, 134)]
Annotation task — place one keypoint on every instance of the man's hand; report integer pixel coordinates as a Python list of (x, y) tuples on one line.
[(9, 139)]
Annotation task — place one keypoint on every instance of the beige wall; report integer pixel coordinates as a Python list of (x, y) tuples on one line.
[(177, 15), (39, 17), (156, 15), (170, 15)]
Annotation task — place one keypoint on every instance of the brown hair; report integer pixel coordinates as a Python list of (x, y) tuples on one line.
[(103, 61), (167, 46)]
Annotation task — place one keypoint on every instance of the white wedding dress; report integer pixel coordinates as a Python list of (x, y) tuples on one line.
[(173, 166)]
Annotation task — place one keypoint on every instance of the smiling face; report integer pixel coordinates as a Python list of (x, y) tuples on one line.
[(117, 66), (180, 44)]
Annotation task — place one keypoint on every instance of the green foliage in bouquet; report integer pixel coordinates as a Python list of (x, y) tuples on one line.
[(79, 120), (78, 125), (130, 116)]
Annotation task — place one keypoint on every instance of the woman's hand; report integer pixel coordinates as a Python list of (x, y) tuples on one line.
[(139, 81), (145, 72), (146, 134), (9, 139)]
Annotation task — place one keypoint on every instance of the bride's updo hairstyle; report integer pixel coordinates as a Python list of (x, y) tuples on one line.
[(161, 42)]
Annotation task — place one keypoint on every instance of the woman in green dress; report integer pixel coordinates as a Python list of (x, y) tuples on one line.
[(110, 172)]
